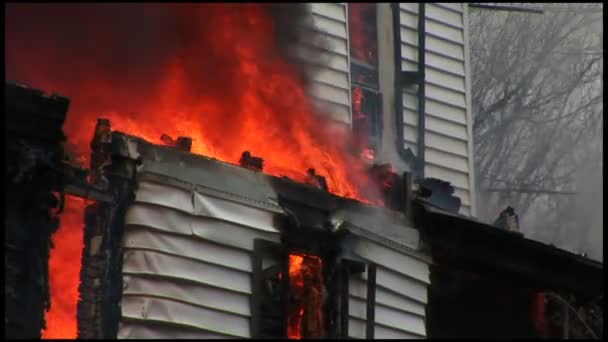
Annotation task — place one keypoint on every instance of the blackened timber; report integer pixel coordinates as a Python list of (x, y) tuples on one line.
[(101, 279), (256, 289), (370, 307), (33, 155)]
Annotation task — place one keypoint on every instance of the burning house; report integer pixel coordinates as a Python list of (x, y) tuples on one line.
[(227, 205)]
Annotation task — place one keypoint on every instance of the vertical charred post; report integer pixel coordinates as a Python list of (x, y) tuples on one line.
[(101, 284), (33, 155)]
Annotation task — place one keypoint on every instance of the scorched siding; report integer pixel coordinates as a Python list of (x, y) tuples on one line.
[(448, 138), (331, 82), (187, 264)]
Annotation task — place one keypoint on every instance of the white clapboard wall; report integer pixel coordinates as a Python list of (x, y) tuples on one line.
[(401, 292), (330, 87), (187, 264), (448, 138)]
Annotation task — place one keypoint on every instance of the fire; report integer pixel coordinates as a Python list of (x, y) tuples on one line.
[(225, 83), (360, 33), (64, 271), (305, 312)]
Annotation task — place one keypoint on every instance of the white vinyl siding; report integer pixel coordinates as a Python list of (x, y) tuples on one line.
[(187, 264), (331, 84), (401, 292), (448, 128)]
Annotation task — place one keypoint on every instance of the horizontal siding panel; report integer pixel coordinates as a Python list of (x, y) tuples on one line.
[(445, 95), (408, 19), (410, 117), (444, 31), (445, 111), (442, 14), (314, 53), (332, 77), (334, 27), (357, 289), (399, 320), (198, 249), (172, 221), (136, 262), (444, 64), (447, 128), (338, 112), (189, 293), (329, 93), (167, 196), (136, 329), (328, 42), (446, 80), (332, 10), (356, 329), (410, 101), (205, 205), (410, 54), (453, 6), (391, 259), (411, 7), (409, 36), (400, 284), (408, 66), (173, 312), (410, 133), (449, 160), (441, 142), (456, 178), (446, 48)]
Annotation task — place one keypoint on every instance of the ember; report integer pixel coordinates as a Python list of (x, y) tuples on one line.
[(305, 308), (64, 271)]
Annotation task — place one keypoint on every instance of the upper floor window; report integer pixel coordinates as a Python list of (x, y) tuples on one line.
[(365, 95)]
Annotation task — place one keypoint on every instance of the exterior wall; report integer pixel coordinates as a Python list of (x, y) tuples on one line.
[(331, 83), (448, 136), (187, 264), (448, 139), (188, 242), (401, 292)]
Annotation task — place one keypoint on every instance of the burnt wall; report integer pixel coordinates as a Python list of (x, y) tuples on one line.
[(98, 311), (33, 154)]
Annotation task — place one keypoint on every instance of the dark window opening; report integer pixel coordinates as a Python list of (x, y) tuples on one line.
[(365, 95)]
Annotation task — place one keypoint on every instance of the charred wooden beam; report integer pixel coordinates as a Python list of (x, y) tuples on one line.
[(101, 281), (184, 143), (316, 180), (100, 156), (370, 318), (250, 162), (181, 143), (33, 155)]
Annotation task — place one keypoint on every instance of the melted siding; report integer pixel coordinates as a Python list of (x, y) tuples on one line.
[(187, 264)]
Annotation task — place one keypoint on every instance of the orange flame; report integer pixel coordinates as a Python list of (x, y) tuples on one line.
[(64, 271), (224, 83), (306, 291), (230, 89)]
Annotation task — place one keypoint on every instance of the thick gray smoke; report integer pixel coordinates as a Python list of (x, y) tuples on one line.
[(295, 36), (130, 42)]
